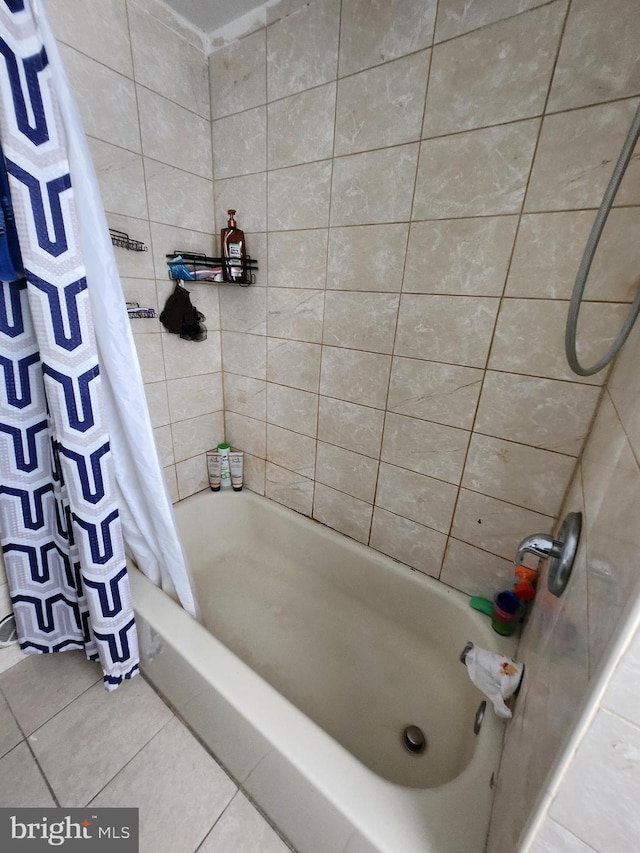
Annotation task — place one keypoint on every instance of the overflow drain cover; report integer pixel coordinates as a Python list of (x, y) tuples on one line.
[(413, 740)]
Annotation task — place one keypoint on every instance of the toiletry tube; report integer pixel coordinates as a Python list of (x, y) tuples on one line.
[(213, 467), (235, 465), (225, 473)]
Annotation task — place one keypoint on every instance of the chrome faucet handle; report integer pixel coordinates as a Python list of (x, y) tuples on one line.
[(540, 544), (560, 551)]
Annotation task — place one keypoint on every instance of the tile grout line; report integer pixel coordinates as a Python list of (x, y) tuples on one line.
[(519, 214)]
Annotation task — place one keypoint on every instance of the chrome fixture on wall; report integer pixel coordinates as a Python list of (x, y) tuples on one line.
[(560, 551)]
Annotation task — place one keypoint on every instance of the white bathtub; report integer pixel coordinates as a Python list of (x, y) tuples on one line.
[(317, 653)]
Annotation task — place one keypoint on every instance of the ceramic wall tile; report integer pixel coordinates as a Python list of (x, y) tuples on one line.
[(575, 158), (376, 186), (243, 309), (175, 195), (291, 451), (371, 34), (238, 75), (298, 258), (346, 471), (192, 475), (167, 64), (460, 256), (382, 106), (364, 321), (367, 257), (120, 178), (100, 31), (527, 476), (602, 763), (416, 497), (611, 478), (342, 512), (240, 143), (444, 393), (164, 445), (171, 480), (512, 349), (254, 473), (186, 358), (558, 414), (246, 434), (246, 194), (458, 16), (477, 173), (549, 249), (245, 395), (432, 449), (624, 389), (357, 377), (453, 329), (158, 403), (497, 74), (301, 127), (288, 208), (245, 354), (288, 488), (169, 238), (294, 363), (132, 264), (302, 49), (621, 694), (292, 409), (174, 135), (405, 540), (149, 350), (295, 314), (195, 396), (495, 526), (349, 425), (113, 117), (597, 61), (193, 436), (473, 571)]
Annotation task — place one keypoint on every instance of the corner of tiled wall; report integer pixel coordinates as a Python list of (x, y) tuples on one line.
[(423, 194), (149, 135)]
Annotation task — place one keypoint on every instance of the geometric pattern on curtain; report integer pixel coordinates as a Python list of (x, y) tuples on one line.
[(60, 527)]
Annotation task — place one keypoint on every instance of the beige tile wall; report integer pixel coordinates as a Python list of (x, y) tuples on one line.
[(423, 178), (576, 727), (141, 84)]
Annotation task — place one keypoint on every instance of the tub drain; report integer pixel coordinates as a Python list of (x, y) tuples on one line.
[(413, 740)]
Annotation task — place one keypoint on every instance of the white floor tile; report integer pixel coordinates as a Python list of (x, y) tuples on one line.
[(21, 782), (242, 829), (41, 685), (10, 734), (180, 791), (83, 747)]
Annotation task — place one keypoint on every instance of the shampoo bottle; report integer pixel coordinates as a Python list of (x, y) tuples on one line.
[(234, 250)]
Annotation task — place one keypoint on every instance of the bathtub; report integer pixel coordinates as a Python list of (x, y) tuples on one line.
[(314, 655)]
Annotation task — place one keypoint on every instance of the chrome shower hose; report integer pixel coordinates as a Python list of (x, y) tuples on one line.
[(587, 259)]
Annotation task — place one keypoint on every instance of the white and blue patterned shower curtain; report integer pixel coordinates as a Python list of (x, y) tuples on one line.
[(59, 521)]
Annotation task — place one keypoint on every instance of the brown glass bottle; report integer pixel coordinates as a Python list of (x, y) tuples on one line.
[(234, 251)]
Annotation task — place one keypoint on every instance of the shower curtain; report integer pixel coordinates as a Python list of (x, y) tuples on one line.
[(77, 458)]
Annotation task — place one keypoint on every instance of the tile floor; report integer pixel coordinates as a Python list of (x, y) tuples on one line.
[(65, 741)]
